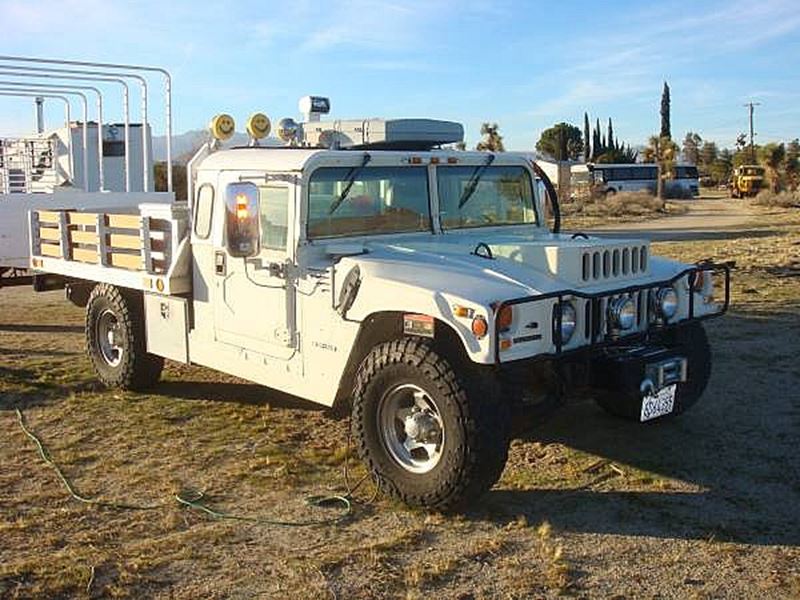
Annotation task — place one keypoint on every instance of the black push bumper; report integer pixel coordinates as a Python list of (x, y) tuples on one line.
[(598, 339)]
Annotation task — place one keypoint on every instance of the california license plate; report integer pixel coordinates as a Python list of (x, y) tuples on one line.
[(658, 404)]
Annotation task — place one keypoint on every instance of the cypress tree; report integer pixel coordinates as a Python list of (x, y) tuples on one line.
[(665, 125), (598, 149), (587, 151)]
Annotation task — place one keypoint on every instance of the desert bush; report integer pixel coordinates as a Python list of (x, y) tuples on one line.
[(630, 203), (615, 205), (780, 199)]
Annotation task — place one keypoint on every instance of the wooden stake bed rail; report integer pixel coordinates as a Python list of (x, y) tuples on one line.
[(145, 247)]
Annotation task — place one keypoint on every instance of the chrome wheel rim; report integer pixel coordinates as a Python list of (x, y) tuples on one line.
[(411, 428), (108, 337)]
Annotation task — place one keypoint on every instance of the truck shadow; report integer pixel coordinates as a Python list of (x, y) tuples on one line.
[(31, 328), (236, 392), (727, 470)]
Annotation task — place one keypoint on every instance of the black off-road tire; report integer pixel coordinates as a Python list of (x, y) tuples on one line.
[(476, 438), (692, 342), (137, 369)]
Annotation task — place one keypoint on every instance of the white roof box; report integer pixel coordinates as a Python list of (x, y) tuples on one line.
[(388, 134)]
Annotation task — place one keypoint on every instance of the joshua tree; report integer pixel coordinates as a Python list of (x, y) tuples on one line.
[(492, 140)]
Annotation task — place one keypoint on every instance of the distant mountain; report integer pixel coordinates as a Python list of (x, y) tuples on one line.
[(184, 145)]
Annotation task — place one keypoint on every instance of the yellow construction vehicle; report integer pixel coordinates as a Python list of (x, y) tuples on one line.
[(747, 180)]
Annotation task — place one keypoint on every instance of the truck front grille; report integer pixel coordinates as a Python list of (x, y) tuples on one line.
[(614, 263)]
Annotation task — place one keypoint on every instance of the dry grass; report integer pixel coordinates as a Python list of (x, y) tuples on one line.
[(556, 569), (618, 208), (694, 507), (780, 200)]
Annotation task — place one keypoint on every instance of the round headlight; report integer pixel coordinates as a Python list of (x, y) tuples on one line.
[(568, 320), (622, 312), (667, 302)]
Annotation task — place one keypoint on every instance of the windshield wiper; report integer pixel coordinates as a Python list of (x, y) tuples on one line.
[(472, 184), (350, 180)]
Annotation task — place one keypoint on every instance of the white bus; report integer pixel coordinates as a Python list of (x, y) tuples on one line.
[(613, 178)]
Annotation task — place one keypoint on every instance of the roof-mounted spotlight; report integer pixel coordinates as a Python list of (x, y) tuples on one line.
[(314, 106), (222, 127), (258, 126), (288, 130)]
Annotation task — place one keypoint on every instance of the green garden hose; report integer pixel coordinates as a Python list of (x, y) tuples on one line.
[(194, 499)]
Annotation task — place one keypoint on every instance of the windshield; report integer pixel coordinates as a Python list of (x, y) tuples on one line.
[(377, 200), (502, 196), (686, 172)]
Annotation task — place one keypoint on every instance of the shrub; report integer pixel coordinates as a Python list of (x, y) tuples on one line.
[(780, 199), (615, 205)]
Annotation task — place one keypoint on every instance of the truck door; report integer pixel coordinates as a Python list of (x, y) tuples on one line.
[(254, 298)]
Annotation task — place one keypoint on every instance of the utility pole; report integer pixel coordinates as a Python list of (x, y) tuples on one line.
[(751, 106)]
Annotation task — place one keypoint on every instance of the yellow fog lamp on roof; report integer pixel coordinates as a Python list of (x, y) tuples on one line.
[(222, 127), (258, 126)]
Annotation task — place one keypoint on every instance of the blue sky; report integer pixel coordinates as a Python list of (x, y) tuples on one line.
[(525, 65)]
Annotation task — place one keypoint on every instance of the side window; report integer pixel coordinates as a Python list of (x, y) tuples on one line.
[(274, 216), (203, 210)]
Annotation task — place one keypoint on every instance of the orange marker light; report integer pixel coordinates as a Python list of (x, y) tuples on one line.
[(505, 344), (241, 206), (479, 327), (505, 318), (462, 311)]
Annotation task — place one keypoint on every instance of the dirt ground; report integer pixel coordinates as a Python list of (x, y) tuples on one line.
[(704, 506)]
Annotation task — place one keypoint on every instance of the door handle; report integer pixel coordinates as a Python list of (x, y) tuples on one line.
[(220, 263)]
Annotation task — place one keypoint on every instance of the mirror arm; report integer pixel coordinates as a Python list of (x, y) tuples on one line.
[(551, 192)]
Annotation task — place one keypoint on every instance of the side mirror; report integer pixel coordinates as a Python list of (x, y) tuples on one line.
[(242, 220)]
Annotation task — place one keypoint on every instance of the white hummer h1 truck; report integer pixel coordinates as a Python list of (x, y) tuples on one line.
[(364, 267)]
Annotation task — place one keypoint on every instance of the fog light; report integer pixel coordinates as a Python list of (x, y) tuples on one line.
[(667, 299), (622, 312)]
